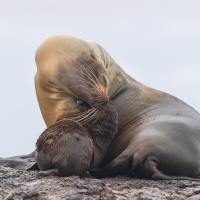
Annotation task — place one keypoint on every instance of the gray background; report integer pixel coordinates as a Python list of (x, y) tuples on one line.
[(156, 41)]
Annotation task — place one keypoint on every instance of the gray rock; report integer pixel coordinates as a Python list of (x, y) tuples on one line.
[(30, 185)]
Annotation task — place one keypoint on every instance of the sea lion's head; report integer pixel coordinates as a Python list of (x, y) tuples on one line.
[(65, 146), (75, 78), (84, 74)]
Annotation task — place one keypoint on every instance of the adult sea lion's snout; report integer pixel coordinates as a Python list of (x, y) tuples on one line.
[(100, 103)]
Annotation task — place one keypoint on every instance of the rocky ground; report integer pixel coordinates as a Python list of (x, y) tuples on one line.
[(31, 185)]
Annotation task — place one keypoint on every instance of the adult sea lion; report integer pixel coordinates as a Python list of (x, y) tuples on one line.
[(158, 135), (67, 148)]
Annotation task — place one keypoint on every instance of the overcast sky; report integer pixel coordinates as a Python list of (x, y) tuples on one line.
[(156, 41)]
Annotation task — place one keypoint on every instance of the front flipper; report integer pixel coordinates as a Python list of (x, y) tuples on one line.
[(114, 168), (23, 162), (50, 172)]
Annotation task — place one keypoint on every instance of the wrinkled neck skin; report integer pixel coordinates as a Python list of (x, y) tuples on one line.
[(121, 83)]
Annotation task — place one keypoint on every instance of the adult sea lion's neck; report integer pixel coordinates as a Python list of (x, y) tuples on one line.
[(131, 98)]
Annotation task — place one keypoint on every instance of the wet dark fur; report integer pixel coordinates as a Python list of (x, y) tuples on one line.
[(65, 146), (53, 134)]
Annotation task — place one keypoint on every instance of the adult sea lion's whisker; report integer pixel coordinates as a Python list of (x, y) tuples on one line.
[(83, 69), (97, 117), (90, 70), (81, 86), (92, 80), (90, 117), (74, 61), (87, 71), (82, 116), (72, 75)]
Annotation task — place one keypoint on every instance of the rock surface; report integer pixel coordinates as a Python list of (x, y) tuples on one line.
[(31, 185)]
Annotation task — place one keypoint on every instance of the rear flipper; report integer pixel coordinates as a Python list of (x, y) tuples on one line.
[(139, 165), (149, 169), (23, 162)]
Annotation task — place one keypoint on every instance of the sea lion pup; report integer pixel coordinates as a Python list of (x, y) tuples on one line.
[(64, 149), (158, 135), (67, 148)]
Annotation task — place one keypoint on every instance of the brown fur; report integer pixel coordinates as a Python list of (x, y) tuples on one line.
[(65, 146), (72, 148)]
